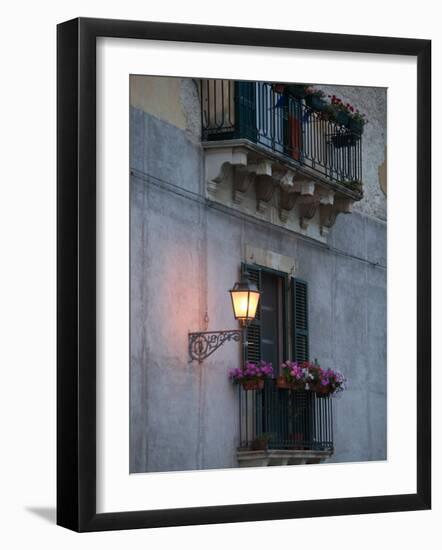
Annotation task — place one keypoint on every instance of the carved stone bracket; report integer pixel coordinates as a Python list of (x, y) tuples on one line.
[(285, 179), (264, 187), (287, 200), (217, 161), (329, 212), (242, 181), (239, 169), (307, 210), (304, 186), (327, 217), (326, 196), (344, 205)]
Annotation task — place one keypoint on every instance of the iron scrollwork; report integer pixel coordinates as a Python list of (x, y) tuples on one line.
[(203, 344)]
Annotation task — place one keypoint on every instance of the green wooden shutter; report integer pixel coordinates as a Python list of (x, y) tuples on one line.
[(245, 103), (300, 350), (253, 352)]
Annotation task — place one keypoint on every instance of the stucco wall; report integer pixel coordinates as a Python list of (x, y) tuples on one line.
[(186, 255)]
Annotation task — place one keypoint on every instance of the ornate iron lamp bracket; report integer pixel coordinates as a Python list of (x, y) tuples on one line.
[(203, 344)]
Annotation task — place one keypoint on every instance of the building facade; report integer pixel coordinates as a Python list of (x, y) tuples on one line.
[(226, 177)]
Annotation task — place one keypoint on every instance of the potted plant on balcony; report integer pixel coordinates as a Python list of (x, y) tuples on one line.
[(296, 439), (354, 185), (347, 115), (342, 110), (252, 375), (357, 122), (293, 376), (315, 99), (297, 90), (261, 442), (325, 381)]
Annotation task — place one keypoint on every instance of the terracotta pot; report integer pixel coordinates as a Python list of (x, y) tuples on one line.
[(253, 384), (322, 391), (259, 445), (282, 383), (297, 437)]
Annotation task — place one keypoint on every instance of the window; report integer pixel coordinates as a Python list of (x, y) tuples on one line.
[(280, 330)]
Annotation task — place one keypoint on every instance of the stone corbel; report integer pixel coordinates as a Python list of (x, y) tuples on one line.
[(287, 200), (327, 217), (344, 205), (285, 179), (304, 187), (242, 180), (217, 162), (264, 185), (264, 188), (329, 212), (307, 209), (326, 197)]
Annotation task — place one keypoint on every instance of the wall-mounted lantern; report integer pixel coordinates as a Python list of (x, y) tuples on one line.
[(245, 299)]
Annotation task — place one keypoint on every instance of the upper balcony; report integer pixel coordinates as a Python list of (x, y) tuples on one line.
[(270, 139)]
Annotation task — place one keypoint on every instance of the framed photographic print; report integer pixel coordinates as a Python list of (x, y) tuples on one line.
[(243, 279)]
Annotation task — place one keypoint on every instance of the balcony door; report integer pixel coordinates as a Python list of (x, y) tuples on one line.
[(272, 318)]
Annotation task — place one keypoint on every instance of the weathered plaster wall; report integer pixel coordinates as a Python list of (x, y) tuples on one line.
[(184, 257)]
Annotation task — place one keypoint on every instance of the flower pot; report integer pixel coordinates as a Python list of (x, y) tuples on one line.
[(316, 103), (259, 444), (282, 383), (355, 126), (322, 391), (344, 140), (252, 384), (296, 437), (342, 118)]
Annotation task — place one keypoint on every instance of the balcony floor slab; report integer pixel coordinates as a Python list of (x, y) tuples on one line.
[(281, 457)]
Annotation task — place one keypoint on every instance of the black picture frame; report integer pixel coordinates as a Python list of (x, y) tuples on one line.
[(76, 274)]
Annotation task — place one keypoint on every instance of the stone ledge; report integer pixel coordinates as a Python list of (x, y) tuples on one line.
[(281, 457)]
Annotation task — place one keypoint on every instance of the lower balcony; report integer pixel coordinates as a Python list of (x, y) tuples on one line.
[(281, 427)]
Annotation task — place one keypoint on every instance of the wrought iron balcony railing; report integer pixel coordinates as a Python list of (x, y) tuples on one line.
[(276, 418), (285, 125)]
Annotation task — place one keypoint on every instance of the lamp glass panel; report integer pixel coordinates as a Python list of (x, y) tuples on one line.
[(240, 303), (253, 304)]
